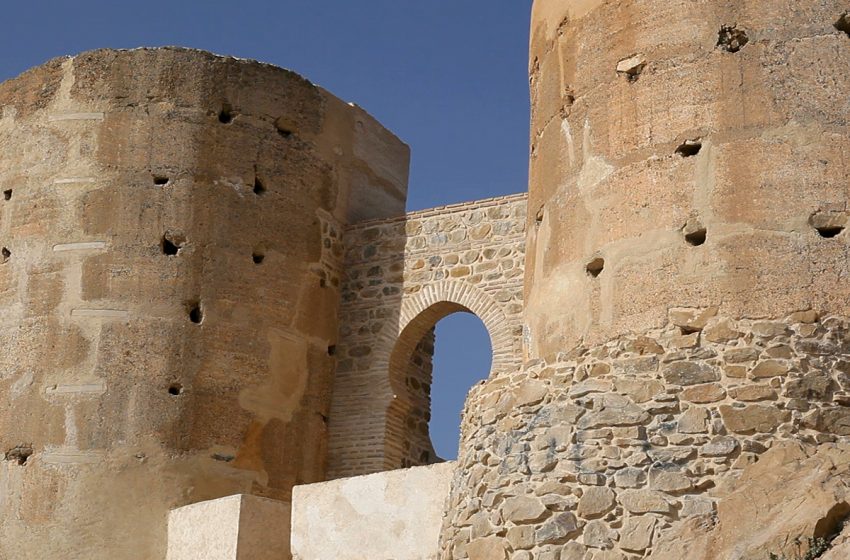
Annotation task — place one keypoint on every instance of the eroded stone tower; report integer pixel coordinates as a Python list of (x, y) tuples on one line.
[(171, 229), (687, 293)]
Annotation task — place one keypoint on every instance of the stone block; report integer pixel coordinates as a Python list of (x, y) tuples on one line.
[(395, 514), (240, 527)]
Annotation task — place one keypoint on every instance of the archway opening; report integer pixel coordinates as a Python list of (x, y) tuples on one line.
[(423, 419), (463, 356)]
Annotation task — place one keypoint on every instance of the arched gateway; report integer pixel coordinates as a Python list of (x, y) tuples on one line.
[(402, 276)]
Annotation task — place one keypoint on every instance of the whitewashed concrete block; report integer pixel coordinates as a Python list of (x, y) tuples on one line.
[(391, 515), (237, 527)]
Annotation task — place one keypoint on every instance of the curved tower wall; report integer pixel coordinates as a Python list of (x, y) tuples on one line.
[(647, 128), (687, 298), (169, 288)]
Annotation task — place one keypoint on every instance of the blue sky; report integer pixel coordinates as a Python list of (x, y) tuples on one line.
[(447, 76)]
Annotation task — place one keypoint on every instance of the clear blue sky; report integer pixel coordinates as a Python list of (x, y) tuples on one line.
[(447, 76)]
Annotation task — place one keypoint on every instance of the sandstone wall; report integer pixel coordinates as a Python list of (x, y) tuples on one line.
[(171, 228), (687, 294), (700, 176), (401, 277)]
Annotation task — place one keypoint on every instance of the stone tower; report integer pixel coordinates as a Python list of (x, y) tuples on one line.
[(687, 290), (170, 227)]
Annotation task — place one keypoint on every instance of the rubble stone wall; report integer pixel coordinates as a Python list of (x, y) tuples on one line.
[(401, 277), (600, 452)]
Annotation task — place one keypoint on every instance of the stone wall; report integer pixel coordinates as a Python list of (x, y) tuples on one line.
[(401, 277), (170, 224), (598, 453), (685, 153), (393, 515)]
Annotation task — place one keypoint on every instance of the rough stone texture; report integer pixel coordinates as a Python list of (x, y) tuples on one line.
[(240, 527), (395, 514), (144, 190), (613, 176), (401, 277), (643, 473)]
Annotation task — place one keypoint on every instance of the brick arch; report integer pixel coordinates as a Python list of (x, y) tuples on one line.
[(406, 409), (401, 277)]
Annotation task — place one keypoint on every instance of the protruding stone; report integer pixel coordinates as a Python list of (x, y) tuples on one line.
[(704, 393), (691, 320), (529, 393), (668, 480), (770, 368), (613, 410), (523, 509), (556, 529), (719, 447), (630, 477), (690, 373), (644, 501), (753, 418), (488, 548), (595, 501), (693, 421), (597, 534), (636, 535)]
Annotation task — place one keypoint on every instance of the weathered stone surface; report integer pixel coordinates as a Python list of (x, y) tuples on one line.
[(750, 393), (719, 447), (703, 394), (753, 517), (639, 390), (595, 501), (630, 477), (769, 368), (644, 501), (690, 373), (523, 509), (693, 421), (556, 529), (488, 548), (830, 420), (598, 534), (753, 418), (636, 534), (668, 480), (613, 410)]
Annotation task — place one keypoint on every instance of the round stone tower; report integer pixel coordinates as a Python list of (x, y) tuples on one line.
[(169, 283), (687, 293)]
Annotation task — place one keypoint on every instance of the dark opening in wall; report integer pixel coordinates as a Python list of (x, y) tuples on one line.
[(538, 219), (172, 243), (843, 23), (7, 194), (19, 454), (196, 314), (696, 237), (829, 232), (828, 224), (258, 256), (259, 187), (689, 148), (225, 116), (160, 180), (175, 389), (595, 267), (731, 39), (283, 127), (5, 254), (332, 350)]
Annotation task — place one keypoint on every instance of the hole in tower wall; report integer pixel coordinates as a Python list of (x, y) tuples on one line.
[(829, 232), (7, 194), (731, 39), (172, 243), (225, 116), (538, 219), (5, 254), (259, 187), (332, 350), (689, 148), (843, 23), (697, 237), (284, 128), (258, 256), (19, 454), (160, 180), (595, 267), (175, 389), (196, 313)]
